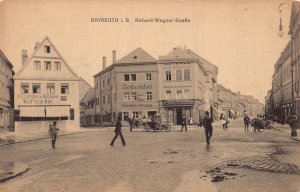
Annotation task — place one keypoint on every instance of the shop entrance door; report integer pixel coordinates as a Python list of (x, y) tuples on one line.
[(178, 116)]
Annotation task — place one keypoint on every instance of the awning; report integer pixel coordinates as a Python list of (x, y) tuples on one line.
[(32, 111), (217, 110), (44, 111), (57, 111), (232, 111)]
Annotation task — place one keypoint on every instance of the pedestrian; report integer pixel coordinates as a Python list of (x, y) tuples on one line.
[(183, 123), (130, 123), (53, 133), (118, 132), (246, 122), (207, 124)]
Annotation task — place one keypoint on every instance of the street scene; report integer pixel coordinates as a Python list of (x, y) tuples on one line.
[(236, 160), (149, 96)]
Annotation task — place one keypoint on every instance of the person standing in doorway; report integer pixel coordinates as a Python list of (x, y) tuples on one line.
[(207, 124), (183, 123), (118, 132), (53, 133)]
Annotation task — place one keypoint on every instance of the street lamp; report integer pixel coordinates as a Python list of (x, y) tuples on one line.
[(292, 35)]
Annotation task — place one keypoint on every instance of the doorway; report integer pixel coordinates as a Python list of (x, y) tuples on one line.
[(178, 116)]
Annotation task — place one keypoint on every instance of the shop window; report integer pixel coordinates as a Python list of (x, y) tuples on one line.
[(126, 77), (51, 88), (47, 65), (36, 88), (148, 76), (133, 77), (178, 74), (125, 116), (57, 66), (149, 95), (133, 96), (187, 75), (168, 75), (47, 49), (64, 88), (126, 96), (25, 88), (37, 65)]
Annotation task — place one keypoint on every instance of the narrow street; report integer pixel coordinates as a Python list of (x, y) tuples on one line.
[(159, 161)]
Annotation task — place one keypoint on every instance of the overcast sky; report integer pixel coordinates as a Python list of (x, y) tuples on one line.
[(238, 36)]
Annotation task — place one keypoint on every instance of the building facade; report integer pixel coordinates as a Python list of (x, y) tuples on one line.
[(127, 88), (6, 92), (46, 89), (87, 109)]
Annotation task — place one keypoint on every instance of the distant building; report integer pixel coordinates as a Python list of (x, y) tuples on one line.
[(6, 92), (46, 89), (87, 109)]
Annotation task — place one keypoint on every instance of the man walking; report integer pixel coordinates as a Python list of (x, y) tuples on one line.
[(246, 122), (183, 124), (53, 133), (118, 132), (207, 124)]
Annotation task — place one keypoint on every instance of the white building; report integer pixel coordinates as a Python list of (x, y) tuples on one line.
[(46, 89)]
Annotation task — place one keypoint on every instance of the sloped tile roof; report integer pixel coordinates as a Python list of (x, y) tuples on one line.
[(89, 96), (137, 56), (177, 54)]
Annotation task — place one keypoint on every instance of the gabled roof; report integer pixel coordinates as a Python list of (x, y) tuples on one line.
[(177, 54), (89, 96), (37, 49), (208, 66), (5, 59), (137, 56)]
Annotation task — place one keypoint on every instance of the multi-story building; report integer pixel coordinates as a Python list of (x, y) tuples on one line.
[(227, 101), (127, 88), (46, 89), (182, 86), (6, 92)]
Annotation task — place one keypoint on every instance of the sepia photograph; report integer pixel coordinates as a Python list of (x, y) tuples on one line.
[(149, 95)]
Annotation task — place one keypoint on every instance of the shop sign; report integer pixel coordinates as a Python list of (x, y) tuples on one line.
[(39, 99), (178, 102), (137, 105), (136, 86)]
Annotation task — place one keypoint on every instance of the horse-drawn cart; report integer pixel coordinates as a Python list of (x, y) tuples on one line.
[(157, 123)]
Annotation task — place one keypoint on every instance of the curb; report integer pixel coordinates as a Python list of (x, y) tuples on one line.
[(40, 138), (4, 179)]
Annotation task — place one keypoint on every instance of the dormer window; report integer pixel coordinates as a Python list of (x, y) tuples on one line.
[(47, 49)]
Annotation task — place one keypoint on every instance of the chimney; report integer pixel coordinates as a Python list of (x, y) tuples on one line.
[(104, 63), (24, 56), (36, 45), (114, 52)]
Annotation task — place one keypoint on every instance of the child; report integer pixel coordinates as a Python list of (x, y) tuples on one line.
[(53, 132)]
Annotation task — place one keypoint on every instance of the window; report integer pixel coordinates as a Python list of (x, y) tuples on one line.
[(135, 114), (57, 66), (148, 76), (186, 93), (37, 65), (108, 99), (47, 49), (168, 75), (133, 96), (179, 94), (187, 74), (103, 82), (149, 95), (36, 88), (126, 77), (107, 81), (103, 99), (178, 74), (50, 88), (126, 116), (168, 94), (47, 65), (25, 88), (126, 96), (133, 77), (64, 88)]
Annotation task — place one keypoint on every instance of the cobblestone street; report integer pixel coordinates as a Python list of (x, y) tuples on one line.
[(159, 161)]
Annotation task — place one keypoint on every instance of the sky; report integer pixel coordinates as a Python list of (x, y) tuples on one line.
[(240, 37)]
